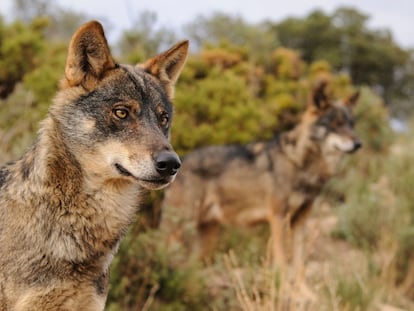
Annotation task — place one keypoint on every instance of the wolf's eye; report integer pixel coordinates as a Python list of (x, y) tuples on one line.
[(164, 119), (121, 113)]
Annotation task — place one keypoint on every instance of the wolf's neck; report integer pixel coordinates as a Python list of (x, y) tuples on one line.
[(298, 148), (57, 180), (50, 163)]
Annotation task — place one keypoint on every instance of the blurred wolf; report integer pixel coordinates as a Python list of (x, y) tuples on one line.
[(67, 202), (274, 182)]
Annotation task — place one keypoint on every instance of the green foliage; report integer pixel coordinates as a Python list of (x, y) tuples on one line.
[(344, 40), (29, 73), (144, 40), (365, 226), (219, 28), (375, 130), (224, 112), (378, 213), (148, 272), (353, 295), (61, 22), (44, 80), (366, 215), (18, 123), (315, 37), (145, 268), (287, 63), (20, 47), (251, 250), (225, 98)]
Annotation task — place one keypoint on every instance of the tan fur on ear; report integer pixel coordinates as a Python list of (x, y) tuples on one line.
[(352, 100), (89, 57), (319, 98), (168, 65)]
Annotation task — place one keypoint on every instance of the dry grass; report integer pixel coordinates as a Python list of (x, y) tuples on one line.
[(342, 277)]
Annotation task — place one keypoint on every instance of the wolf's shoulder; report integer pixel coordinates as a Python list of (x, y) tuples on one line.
[(212, 161), (222, 154)]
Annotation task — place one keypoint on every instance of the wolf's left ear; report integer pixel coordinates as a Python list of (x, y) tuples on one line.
[(319, 98), (352, 100), (89, 57), (168, 65)]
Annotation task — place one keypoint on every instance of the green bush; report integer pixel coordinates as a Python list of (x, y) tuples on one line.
[(372, 122), (20, 47), (43, 81), (215, 110), (18, 123), (353, 294), (378, 210), (146, 268)]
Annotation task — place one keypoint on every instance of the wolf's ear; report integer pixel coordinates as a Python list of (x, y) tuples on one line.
[(319, 98), (89, 57), (352, 100), (168, 65)]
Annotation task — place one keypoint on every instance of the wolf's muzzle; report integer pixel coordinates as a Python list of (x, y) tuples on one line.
[(357, 145), (167, 163)]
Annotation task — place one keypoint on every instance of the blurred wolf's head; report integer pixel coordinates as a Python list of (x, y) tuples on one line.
[(326, 130), (333, 126)]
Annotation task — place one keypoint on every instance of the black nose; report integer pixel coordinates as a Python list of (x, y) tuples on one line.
[(167, 163), (357, 145)]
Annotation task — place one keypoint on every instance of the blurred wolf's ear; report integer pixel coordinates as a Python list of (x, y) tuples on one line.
[(352, 100), (319, 98), (89, 57), (167, 66)]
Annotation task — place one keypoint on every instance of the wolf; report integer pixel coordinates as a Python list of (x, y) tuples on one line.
[(67, 202), (275, 181)]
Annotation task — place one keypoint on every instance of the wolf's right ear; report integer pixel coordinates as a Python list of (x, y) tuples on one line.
[(89, 57), (319, 98), (167, 66)]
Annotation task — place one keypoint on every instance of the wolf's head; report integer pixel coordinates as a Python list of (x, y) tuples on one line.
[(333, 125), (325, 132), (115, 119)]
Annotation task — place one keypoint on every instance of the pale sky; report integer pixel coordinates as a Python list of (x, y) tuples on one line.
[(396, 15)]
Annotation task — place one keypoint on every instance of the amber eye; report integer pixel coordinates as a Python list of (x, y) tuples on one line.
[(164, 119), (121, 113)]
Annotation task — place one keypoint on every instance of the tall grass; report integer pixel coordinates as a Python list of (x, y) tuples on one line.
[(377, 218)]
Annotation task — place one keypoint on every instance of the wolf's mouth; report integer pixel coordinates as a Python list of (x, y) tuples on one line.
[(122, 170), (348, 151), (154, 184), (161, 181), (156, 181)]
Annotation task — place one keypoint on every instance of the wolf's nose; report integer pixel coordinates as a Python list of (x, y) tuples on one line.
[(357, 145), (167, 163)]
